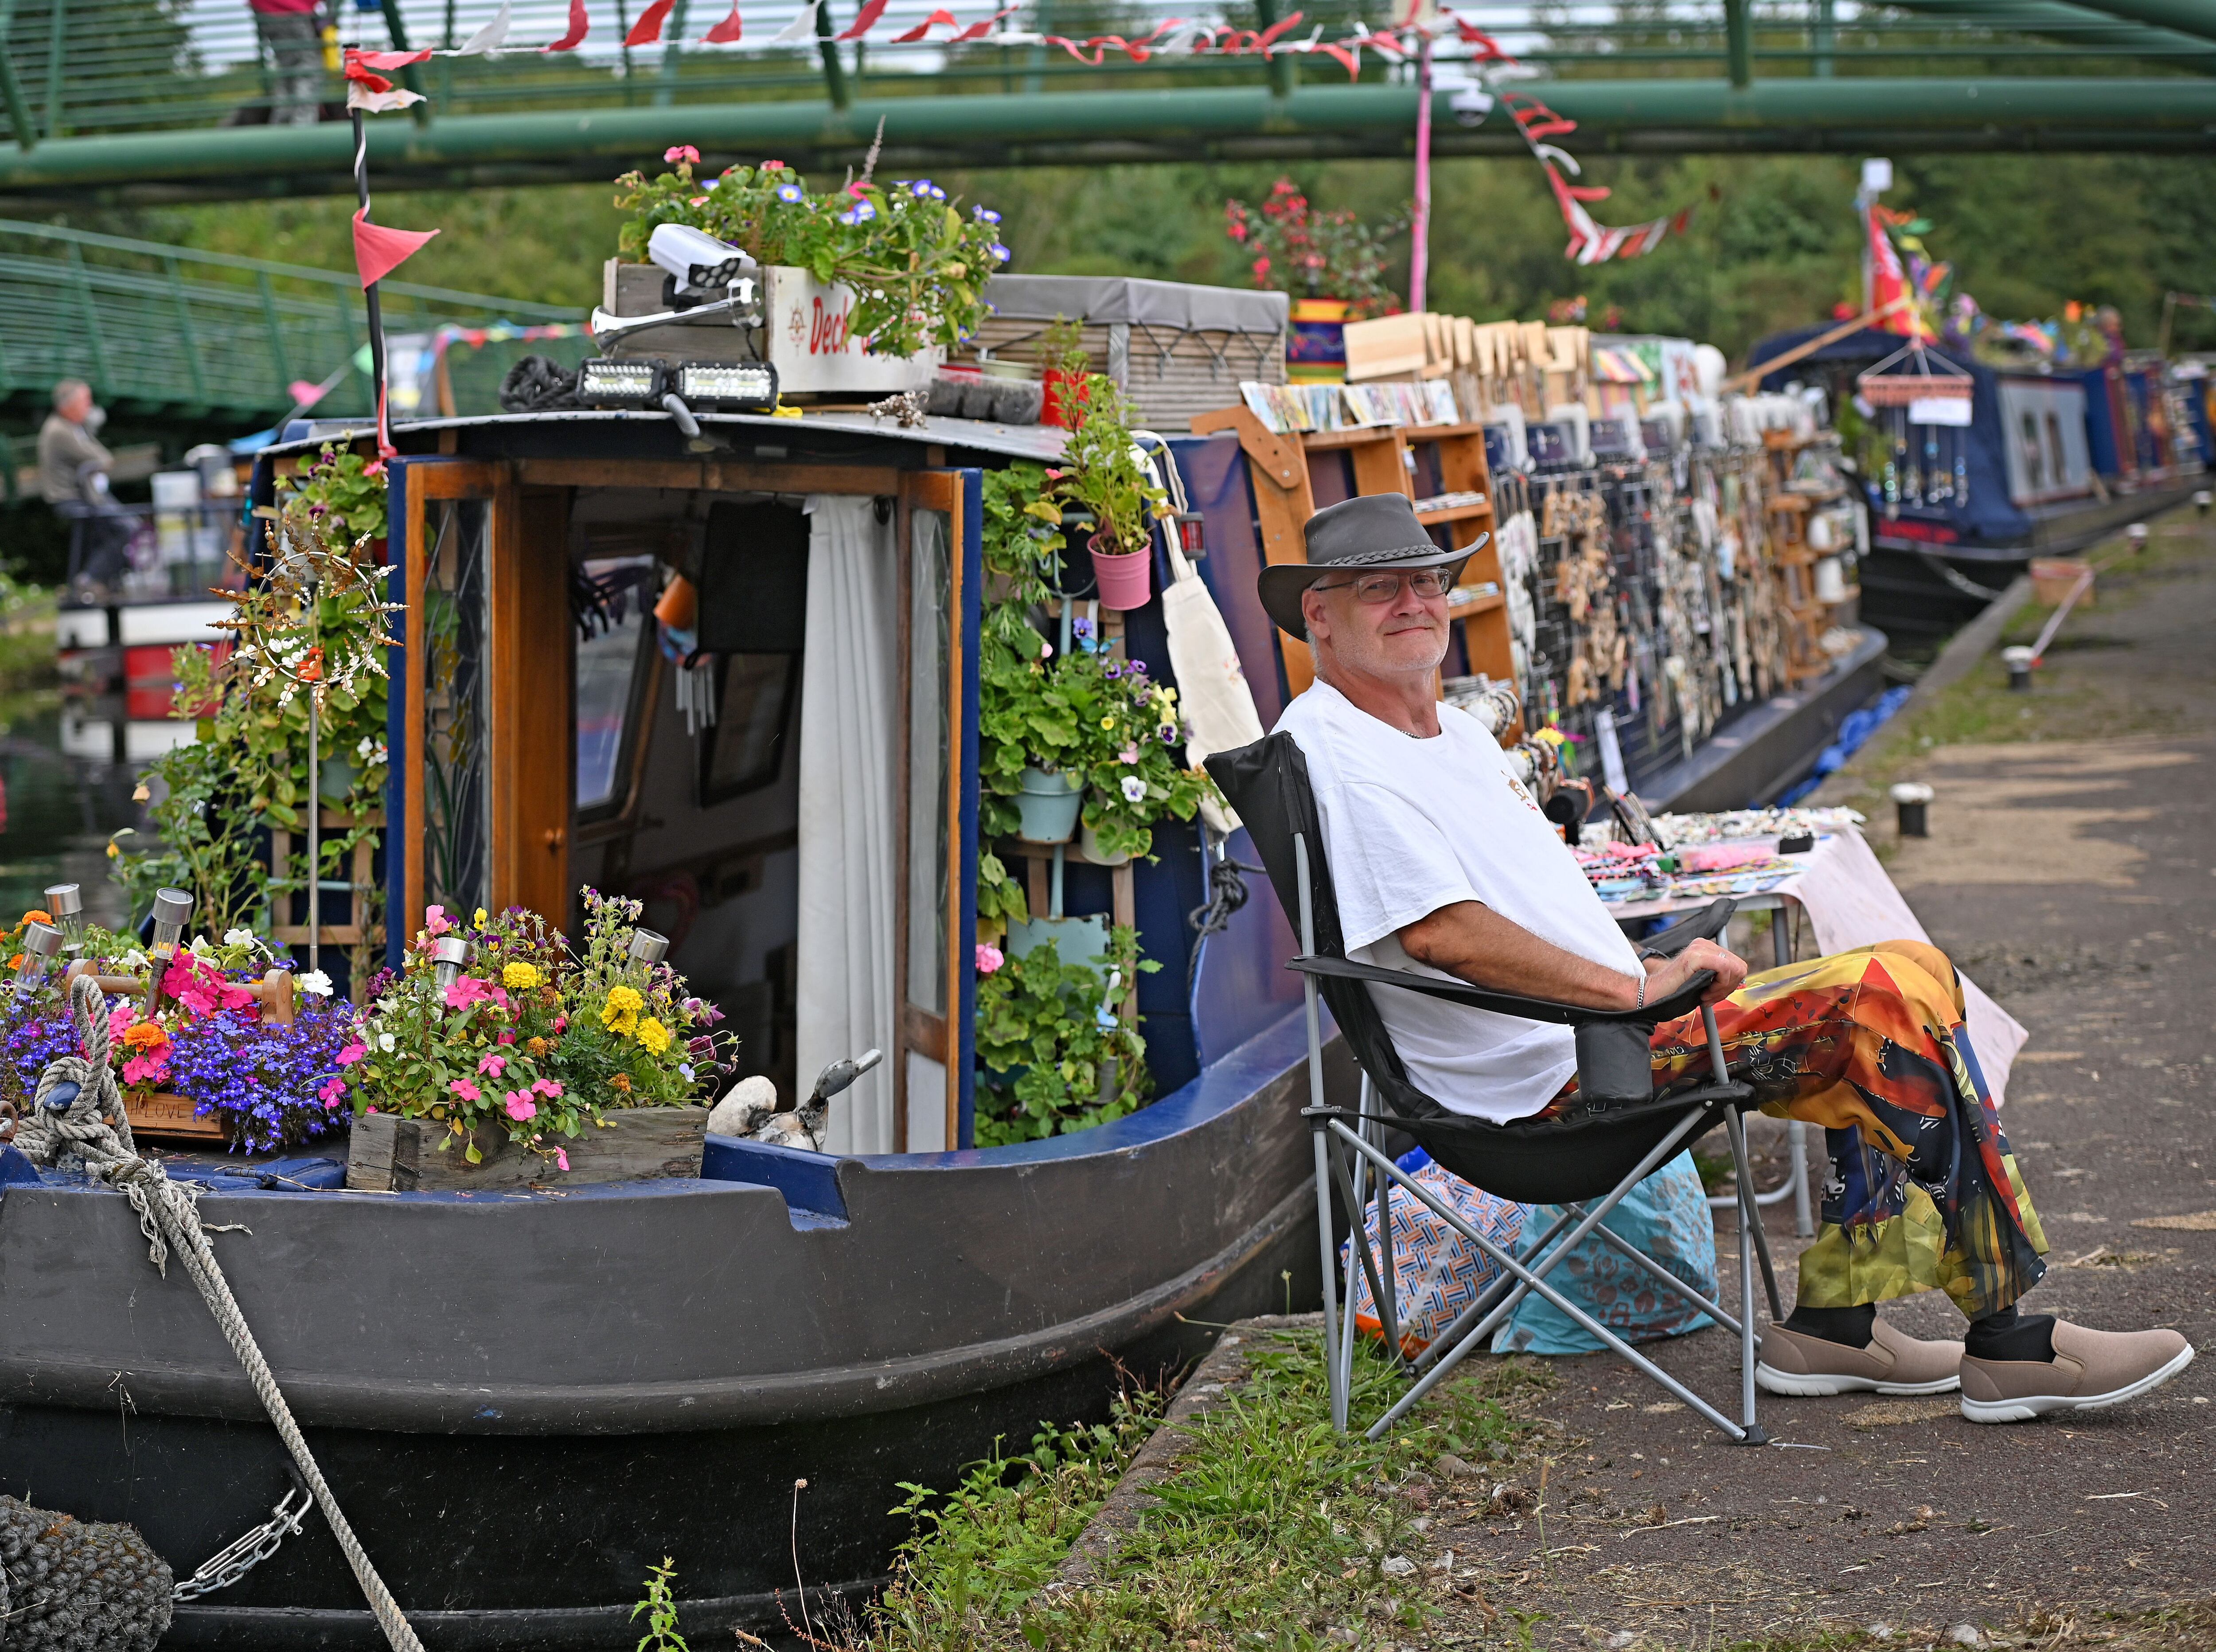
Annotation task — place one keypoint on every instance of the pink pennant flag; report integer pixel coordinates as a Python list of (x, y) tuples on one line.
[(578, 26), (390, 59), (648, 29), (725, 32), (378, 250), (925, 28), (978, 31), (865, 20)]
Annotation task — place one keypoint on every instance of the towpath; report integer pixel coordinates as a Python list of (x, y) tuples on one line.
[(2071, 870)]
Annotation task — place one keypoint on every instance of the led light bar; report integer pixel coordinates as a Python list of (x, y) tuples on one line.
[(605, 383), (749, 386)]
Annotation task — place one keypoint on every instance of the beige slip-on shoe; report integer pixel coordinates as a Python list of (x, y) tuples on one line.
[(1794, 1363), (2091, 1369)]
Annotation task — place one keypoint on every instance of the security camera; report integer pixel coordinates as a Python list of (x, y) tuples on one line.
[(695, 259)]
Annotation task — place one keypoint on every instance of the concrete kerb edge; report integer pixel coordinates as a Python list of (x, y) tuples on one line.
[(1208, 1386)]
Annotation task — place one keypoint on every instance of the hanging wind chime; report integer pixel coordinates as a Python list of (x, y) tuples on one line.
[(1924, 400)]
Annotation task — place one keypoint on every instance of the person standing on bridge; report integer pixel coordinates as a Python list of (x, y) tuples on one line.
[(73, 479), (294, 40)]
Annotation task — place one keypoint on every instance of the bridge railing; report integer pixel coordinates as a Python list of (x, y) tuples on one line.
[(158, 330)]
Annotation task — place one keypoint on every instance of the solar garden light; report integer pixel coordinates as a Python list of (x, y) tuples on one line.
[(42, 943), (173, 910), (2018, 660), (65, 903), (1912, 799), (448, 955), (647, 948)]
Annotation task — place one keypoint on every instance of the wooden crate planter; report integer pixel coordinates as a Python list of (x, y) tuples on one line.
[(390, 1154), (163, 1117)]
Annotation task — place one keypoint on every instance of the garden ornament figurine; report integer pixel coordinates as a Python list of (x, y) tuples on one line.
[(1444, 861)]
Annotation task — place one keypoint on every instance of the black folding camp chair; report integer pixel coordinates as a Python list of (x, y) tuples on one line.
[(1618, 1132)]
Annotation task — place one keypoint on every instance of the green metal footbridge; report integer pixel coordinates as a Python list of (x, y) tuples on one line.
[(153, 100)]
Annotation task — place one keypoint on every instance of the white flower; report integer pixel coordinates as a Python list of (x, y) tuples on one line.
[(364, 749), (239, 937), (134, 959), (200, 948), (384, 1042), (316, 982), (1134, 789)]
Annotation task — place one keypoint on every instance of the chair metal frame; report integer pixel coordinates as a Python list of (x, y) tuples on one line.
[(1350, 1159)]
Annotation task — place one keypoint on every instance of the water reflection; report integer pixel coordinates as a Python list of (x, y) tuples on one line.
[(57, 810)]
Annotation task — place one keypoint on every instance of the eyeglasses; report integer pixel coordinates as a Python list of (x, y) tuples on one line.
[(1371, 590)]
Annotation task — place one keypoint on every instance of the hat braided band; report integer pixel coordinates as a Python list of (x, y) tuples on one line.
[(1404, 553)]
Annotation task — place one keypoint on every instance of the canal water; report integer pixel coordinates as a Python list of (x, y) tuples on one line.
[(62, 792)]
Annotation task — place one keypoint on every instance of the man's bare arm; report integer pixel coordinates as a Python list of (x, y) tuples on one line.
[(1473, 943)]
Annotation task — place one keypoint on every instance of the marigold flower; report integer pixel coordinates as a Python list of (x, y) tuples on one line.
[(620, 1082), (653, 1036), (521, 977), (145, 1035), (34, 917)]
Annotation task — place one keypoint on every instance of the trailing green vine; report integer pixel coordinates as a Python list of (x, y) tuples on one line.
[(1057, 1052)]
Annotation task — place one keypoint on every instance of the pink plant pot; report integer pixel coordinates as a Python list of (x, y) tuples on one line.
[(1126, 577)]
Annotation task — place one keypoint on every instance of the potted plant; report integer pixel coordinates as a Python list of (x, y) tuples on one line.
[(1056, 1053), (915, 264), (1331, 264), (1064, 365), (1102, 474), (498, 1056), (1130, 738), (346, 494)]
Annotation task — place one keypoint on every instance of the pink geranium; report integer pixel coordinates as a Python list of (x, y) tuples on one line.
[(989, 958), (466, 1090), (332, 1088), (508, 1035), (681, 153), (561, 1158), (200, 987), (151, 1068), (494, 1064), (353, 1052), (466, 990), (549, 1087), (520, 1106)]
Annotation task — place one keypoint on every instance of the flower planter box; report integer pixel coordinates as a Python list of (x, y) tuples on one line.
[(163, 1117), (390, 1154)]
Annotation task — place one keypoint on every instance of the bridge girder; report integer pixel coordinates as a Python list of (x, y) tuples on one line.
[(1846, 115)]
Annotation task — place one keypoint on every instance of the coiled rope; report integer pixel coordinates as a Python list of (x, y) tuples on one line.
[(92, 1126)]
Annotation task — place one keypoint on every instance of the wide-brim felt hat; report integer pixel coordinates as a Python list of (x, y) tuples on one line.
[(1375, 530)]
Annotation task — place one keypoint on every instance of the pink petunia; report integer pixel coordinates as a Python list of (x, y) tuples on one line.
[(466, 990), (549, 1088), (520, 1106), (494, 1064), (681, 153), (353, 1052), (466, 1090), (561, 1158)]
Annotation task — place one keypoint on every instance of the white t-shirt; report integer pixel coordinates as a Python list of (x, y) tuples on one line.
[(1410, 826)]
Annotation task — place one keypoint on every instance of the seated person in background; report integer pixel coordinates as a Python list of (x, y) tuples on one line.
[(72, 480), (1445, 865)]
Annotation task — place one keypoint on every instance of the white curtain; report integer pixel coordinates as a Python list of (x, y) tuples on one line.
[(849, 731)]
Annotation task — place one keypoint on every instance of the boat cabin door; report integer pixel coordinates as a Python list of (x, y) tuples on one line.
[(483, 725), (942, 580)]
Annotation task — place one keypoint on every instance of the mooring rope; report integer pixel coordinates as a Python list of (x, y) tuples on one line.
[(92, 1126)]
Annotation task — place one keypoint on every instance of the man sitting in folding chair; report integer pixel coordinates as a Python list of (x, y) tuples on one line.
[(1445, 866)]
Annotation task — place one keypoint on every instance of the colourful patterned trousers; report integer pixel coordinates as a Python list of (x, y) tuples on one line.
[(1924, 1192)]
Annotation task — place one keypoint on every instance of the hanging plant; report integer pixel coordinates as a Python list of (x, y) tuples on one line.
[(1057, 1054), (343, 488)]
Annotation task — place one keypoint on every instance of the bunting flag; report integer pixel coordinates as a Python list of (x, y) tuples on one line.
[(486, 42), (865, 20), (1590, 242), (378, 250), (368, 90), (648, 29), (578, 28), (725, 33), (801, 28)]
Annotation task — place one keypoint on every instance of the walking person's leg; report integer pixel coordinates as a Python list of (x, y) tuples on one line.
[(296, 55), (1923, 1193)]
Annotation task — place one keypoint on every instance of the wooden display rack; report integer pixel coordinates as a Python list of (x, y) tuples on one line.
[(1290, 472), (1785, 516)]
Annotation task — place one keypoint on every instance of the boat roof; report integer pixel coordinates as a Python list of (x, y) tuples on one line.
[(1033, 442)]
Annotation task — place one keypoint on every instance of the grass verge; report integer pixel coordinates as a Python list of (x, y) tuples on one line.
[(1272, 1533)]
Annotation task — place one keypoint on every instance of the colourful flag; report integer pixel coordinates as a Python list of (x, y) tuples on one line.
[(378, 250)]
